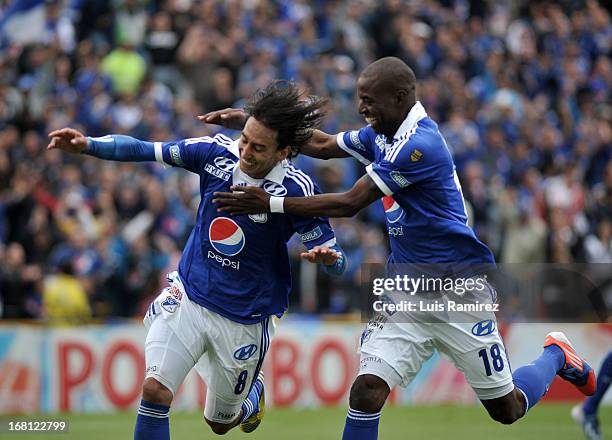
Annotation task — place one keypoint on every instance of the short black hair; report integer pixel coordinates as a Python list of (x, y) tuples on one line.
[(281, 106), (393, 73)]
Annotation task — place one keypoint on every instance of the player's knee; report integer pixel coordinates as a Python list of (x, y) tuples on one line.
[(507, 413), (505, 417), (218, 428), (368, 393), (155, 392)]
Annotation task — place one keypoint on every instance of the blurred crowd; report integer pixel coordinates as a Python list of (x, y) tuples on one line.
[(521, 91)]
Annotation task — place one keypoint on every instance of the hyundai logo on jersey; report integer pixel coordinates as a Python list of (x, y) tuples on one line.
[(226, 237), (274, 189), (483, 328), (393, 210), (243, 353), (225, 163)]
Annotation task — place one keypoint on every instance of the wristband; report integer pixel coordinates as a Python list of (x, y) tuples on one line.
[(276, 204)]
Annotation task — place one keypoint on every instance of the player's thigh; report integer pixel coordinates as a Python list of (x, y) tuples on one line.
[(232, 365), (481, 357), (167, 360), (402, 346)]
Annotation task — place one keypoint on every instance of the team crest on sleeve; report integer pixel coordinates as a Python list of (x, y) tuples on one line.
[(397, 177), (226, 237), (354, 136), (274, 189), (416, 155)]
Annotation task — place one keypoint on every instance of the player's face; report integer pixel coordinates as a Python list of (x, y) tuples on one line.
[(378, 105), (258, 148)]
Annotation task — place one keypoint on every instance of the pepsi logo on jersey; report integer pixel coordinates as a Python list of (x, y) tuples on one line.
[(393, 210), (227, 238)]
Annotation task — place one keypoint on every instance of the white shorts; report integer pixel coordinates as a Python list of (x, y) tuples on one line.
[(404, 342), (227, 355)]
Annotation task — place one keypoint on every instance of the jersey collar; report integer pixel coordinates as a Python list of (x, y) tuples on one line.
[(276, 175), (416, 113)]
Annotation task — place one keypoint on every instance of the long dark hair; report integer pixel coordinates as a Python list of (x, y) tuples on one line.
[(294, 114)]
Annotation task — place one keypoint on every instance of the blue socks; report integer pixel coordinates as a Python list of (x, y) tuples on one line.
[(251, 405), (534, 379), (152, 422), (361, 426), (604, 377)]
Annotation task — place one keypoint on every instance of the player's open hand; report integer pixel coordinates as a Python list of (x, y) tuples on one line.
[(233, 118), (243, 200), (67, 139), (321, 255)]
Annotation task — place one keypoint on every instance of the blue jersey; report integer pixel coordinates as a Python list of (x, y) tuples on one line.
[(425, 212), (238, 266)]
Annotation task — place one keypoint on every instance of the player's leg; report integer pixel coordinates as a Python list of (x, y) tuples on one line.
[(167, 363), (236, 393), (586, 413), (391, 354), (508, 396), (368, 395), (557, 358), (483, 361)]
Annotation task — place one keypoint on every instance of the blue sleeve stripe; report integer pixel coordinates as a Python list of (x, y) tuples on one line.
[(343, 146)]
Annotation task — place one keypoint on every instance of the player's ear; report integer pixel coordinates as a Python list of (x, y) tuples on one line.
[(283, 153), (401, 96)]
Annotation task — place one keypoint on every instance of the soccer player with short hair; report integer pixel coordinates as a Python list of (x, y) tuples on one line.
[(234, 273), (409, 165)]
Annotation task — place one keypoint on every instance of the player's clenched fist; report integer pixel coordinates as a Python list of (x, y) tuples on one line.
[(67, 139)]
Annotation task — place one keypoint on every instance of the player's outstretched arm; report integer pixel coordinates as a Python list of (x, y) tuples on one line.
[(254, 200), (67, 139), (232, 118), (321, 145), (110, 147)]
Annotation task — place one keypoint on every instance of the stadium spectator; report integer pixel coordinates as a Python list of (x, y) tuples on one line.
[(65, 301)]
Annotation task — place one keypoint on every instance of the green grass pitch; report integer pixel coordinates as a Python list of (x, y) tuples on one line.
[(398, 423)]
